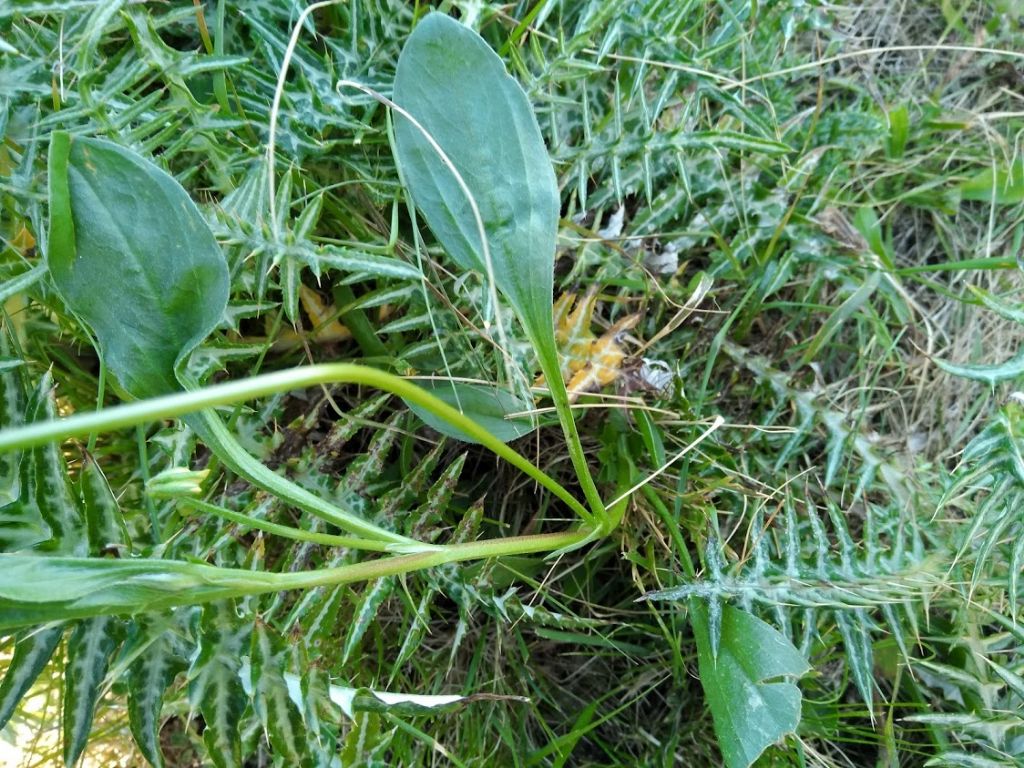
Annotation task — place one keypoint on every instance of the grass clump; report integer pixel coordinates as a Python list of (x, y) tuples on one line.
[(792, 216)]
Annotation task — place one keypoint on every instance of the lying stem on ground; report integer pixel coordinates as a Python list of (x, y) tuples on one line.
[(211, 428), (36, 589)]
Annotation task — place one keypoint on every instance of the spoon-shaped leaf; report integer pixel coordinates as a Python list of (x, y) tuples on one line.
[(133, 257), (131, 254), (457, 89)]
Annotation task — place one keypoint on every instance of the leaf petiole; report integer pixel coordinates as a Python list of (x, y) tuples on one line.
[(212, 429), (285, 531), (35, 589)]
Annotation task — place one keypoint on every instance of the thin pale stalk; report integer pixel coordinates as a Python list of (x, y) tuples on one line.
[(84, 587), (547, 355), (284, 531), (219, 439), (176, 405)]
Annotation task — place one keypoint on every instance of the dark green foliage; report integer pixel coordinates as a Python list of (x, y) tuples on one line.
[(160, 656), (804, 241), (116, 219), (454, 86), (740, 673)]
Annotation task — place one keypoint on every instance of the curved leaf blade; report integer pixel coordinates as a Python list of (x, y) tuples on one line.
[(749, 713), (488, 406), (35, 589), (32, 652), (1001, 185), (214, 686), (987, 374), (132, 256), (354, 700), (22, 282), (457, 88), (89, 651), (148, 679)]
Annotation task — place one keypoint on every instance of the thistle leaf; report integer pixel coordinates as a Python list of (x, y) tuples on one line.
[(53, 496), (103, 515), (32, 652), (214, 686), (457, 89), (12, 414), (369, 603), (1009, 370), (148, 680), (279, 715), (21, 522), (89, 651)]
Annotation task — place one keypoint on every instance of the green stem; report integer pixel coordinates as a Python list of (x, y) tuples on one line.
[(151, 510), (672, 526), (219, 439), (101, 387), (73, 588), (173, 406), (547, 355), (284, 531), (358, 324), (220, 88)]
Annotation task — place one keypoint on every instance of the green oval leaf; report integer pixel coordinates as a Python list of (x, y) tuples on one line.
[(750, 710), (487, 406), (131, 255), (457, 89), (458, 93)]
